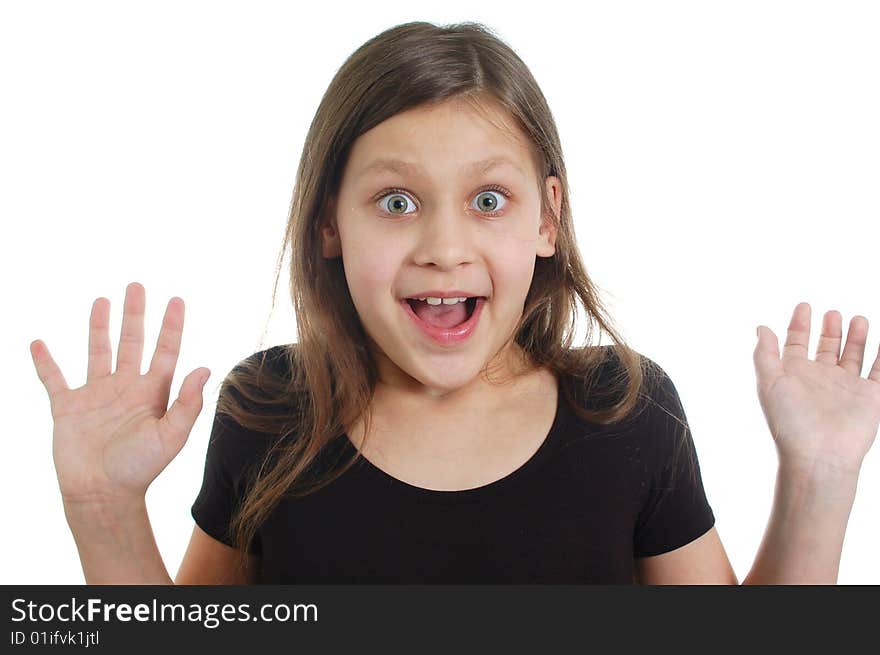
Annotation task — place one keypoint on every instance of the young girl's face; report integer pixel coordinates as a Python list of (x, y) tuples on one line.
[(435, 232)]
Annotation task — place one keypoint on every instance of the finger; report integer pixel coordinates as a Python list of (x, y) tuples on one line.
[(47, 370), (874, 373), (768, 365), (798, 333), (100, 355), (175, 426), (168, 345), (131, 340), (854, 351), (828, 350)]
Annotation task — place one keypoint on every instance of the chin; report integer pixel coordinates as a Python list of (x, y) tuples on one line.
[(451, 379)]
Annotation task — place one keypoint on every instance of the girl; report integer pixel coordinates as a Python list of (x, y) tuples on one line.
[(432, 423)]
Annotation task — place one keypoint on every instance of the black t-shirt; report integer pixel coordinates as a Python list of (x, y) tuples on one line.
[(578, 511)]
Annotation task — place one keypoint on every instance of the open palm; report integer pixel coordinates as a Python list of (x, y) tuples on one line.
[(113, 435), (822, 414)]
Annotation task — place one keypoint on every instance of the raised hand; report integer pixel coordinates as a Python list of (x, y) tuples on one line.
[(113, 435), (822, 414)]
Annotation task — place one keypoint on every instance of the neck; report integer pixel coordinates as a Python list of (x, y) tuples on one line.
[(506, 378)]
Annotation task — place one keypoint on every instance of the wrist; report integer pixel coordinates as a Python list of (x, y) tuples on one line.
[(818, 480), (820, 467), (105, 512)]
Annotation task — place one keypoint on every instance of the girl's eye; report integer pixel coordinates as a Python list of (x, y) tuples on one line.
[(396, 201), (487, 200)]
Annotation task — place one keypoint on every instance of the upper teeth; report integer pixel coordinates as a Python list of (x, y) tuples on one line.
[(445, 301)]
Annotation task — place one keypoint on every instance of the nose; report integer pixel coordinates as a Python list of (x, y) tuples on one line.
[(446, 238)]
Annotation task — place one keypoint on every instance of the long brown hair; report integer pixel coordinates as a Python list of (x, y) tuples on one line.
[(331, 371)]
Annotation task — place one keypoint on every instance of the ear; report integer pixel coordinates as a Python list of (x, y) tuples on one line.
[(331, 246), (548, 229)]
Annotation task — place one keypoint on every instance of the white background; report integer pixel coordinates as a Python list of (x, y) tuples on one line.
[(723, 162)]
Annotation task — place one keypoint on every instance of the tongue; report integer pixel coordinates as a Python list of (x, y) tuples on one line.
[(440, 316)]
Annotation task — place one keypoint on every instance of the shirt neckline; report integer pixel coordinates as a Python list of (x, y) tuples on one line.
[(544, 451)]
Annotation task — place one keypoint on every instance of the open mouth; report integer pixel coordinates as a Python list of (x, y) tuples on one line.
[(446, 324), (469, 305)]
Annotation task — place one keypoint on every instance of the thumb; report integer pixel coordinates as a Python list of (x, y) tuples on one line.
[(180, 418), (768, 365)]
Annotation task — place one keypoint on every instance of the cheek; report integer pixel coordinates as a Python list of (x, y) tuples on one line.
[(512, 273), (515, 261), (369, 270)]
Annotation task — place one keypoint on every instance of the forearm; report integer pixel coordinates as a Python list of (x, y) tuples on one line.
[(116, 544), (804, 537)]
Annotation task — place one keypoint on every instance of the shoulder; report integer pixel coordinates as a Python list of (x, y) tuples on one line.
[(261, 377), (655, 422), (275, 359), (663, 432), (253, 401), (658, 396), (601, 378)]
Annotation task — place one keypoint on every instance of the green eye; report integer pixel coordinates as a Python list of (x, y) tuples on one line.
[(486, 201), (395, 201)]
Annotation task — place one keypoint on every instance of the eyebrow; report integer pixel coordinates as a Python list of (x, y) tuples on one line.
[(403, 167)]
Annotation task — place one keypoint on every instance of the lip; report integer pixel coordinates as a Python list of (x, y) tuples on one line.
[(449, 336), (445, 294)]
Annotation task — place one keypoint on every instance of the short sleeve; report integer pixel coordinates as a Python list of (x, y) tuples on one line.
[(221, 491), (675, 510), (233, 453)]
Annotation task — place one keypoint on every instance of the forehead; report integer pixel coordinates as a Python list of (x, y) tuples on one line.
[(451, 138), (413, 169)]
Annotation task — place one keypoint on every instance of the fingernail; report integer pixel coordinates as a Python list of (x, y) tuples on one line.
[(205, 378)]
